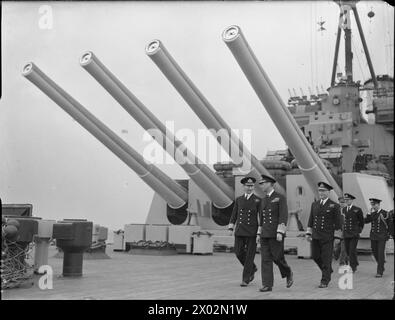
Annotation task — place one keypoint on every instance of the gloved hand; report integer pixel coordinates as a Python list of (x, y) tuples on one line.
[(230, 232), (279, 237), (336, 242), (308, 237)]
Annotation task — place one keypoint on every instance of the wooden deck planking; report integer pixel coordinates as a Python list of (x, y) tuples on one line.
[(200, 277)]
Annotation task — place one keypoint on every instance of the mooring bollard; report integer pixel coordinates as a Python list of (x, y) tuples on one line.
[(73, 237)]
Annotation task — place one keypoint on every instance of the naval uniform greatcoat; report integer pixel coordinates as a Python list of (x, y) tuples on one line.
[(379, 234), (352, 227), (324, 220), (244, 219)]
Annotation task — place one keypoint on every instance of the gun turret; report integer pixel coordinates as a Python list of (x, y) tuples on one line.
[(311, 165), (205, 111), (173, 193), (217, 190)]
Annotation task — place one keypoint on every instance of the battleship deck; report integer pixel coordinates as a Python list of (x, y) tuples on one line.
[(182, 276)]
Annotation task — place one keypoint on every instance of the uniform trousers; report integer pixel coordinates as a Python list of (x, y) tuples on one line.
[(272, 251), (322, 252), (378, 248), (245, 248), (351, 249)]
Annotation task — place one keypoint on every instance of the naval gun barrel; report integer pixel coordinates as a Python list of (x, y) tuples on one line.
[(220, 193), (173, 193), (311, 165), (203, 109)]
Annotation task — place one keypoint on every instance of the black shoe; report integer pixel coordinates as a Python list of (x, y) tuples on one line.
[(265, 289), (290, 280), (243, 284), (323, 285), (379, 275), (253, 275)]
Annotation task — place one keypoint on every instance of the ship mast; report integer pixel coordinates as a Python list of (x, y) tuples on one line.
[(345, 23)]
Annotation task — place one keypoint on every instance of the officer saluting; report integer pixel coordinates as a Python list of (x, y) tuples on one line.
[(324, 225), (378, 233), (273, 217), (352, 227), (245, 217)]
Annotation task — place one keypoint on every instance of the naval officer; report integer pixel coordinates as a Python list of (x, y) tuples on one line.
[(273, 217), (324, 225), (352, 227), (340, 251), (244, 222), (379, 233), (391, 231)]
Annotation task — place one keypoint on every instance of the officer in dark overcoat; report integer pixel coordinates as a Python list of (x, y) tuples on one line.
[(273, 217), (360, 162), (379, 233), (323, 227), (244, 224), (391, 231), (352, 227), (340, 251)]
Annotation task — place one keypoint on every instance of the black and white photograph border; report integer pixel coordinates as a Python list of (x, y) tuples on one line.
[(226, 151)]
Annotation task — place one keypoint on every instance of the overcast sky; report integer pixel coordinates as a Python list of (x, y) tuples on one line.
[(49, 160)]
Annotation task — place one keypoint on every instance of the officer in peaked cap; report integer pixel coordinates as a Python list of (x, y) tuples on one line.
[(379, 233), (248, 181), (352, 227), (244, 223), (273, 218), (323, 227), (324, 186), (348, 196), (360, 161), (340, 250)]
